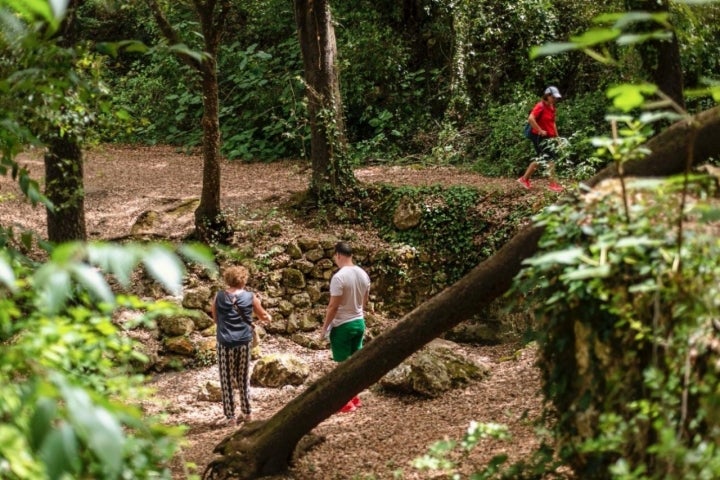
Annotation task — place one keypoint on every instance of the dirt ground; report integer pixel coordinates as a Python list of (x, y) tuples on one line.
[(378, 440)]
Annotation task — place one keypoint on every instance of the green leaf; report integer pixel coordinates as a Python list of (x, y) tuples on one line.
[(600, 271), (68, 252), (164, 267), (595, 36), (624, 20), (53, 284), (551, 49), (34, 9), (41, 421), (634, 38), (7, 276), (118, 260), (636, 242), (569, 256), (97, 426), (199, 253), (184, 50), (627, 97), (60, 453), (93, 281), (107, 440)]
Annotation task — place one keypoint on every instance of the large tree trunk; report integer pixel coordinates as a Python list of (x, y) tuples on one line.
[(669, 150), (64, 182), (332, 175), (660, 59), (264, 448), (64, 188)]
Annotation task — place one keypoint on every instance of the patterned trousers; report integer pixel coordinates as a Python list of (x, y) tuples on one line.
[(234, 364)]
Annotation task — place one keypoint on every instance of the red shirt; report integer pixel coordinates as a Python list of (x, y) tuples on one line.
[(544, 114)]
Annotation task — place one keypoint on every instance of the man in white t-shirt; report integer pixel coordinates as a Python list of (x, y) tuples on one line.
[(345, 316)]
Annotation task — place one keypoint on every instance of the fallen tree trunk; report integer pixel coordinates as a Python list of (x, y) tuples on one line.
[(670, 150), (266, 448)]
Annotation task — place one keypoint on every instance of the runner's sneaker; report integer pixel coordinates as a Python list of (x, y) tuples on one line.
[(348, 407), (524, 182), (555, 187)]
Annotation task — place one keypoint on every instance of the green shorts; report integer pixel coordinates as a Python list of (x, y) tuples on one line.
[(347, 339)]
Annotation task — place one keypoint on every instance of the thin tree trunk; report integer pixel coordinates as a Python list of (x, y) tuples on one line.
[(208, 216), (264, 448), (210, 224)]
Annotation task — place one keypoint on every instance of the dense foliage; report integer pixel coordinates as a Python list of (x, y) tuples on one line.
[(457, 227), (627, 331), (403, 94), (69, 382)]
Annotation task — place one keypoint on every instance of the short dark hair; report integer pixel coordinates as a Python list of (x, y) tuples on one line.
[(343, 248)]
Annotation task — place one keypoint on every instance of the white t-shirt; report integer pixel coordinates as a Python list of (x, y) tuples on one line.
[(352, 284)]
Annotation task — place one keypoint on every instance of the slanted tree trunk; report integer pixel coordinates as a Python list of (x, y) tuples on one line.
[(264, 448), (660, 58), (332, 176), (64, 188), (670, 149), (210, 225)]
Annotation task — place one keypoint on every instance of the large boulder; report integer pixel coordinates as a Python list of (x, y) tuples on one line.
[(433, 371), (210, 392), (176, 326), (197, 298), (278, 370)]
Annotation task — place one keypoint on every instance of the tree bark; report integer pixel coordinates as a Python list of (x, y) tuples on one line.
[(64, 188), (669, 150), (332, 175), (660, 58), (64, 182), (265, 448)]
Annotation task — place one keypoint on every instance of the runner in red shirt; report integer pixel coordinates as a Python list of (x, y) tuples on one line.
[(543, 128)]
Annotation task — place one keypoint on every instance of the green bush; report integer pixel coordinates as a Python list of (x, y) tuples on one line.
[(627, 332), (70, 394), (458, 226)]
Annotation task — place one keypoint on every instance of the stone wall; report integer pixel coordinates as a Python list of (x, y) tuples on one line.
[(293, 282)]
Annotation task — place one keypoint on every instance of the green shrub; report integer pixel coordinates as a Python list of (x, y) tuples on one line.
[(626, 326), (70, 395), (458, 225)]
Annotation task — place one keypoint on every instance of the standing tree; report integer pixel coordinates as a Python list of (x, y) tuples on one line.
[(213, 15), (660, 57), (52, 90), (332, 176), (63, 158)]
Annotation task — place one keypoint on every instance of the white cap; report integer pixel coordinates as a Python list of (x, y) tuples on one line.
[(553, 91)]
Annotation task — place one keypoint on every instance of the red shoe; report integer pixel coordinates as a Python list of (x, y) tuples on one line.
[(349, 407), (555, 187), (356, 401), (524, 182)]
